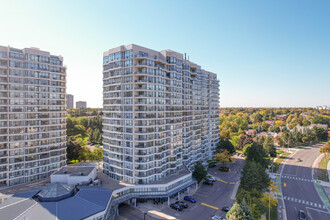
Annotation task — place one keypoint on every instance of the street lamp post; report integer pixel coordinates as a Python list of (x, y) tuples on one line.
[(269, 204)]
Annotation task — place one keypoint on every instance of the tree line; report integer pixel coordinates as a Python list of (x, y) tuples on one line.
[(83, 130)]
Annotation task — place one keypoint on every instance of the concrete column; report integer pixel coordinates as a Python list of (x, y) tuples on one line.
[(188, 190), (168, 201), (178, 195)]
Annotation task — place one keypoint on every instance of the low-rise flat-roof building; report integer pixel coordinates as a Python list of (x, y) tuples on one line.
[(73, 175)]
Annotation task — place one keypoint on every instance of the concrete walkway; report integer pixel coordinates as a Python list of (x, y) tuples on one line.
[(323, 188), (328, 168)]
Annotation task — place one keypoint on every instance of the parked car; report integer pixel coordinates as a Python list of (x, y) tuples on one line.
[(182, 204), (212, 165), (301, 215), (216, 217), (190, 199), (207, 182), (211, 179), (225, 209), (176, 207), (224, 169)]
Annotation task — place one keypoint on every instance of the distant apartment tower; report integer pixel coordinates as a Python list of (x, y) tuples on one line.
[(81, 105), (32, 114), (69, 101), (160, 111)]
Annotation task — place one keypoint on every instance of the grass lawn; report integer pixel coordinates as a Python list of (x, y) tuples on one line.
[(322, 173), (279, 161), (273, 213)]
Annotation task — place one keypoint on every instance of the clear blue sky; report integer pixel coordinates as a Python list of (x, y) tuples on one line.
[(266, 53)]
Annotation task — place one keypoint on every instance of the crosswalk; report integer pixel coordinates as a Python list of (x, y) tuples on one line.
[(299, 178), (301, 201)]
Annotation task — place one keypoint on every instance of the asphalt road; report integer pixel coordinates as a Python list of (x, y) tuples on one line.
[(300, 192)]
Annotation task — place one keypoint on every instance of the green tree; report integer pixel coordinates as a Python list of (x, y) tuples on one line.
[(256, 117), (98, 154), (225, 145), (257, 154), (274, 128), (246, 149), (287, 139), (320, 133), (319, 119), (85, 154), (297, 136), (254, 176), (252, 198), (83, 121), (234, 140), (305, 122), (269, 147), (73, 150), (246, 210), (78, 129), (236, 213), (199, 172)]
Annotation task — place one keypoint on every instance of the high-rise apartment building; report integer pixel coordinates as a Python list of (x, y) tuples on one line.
[(81, 104), (32, 114), (160, 112), (69, 101)]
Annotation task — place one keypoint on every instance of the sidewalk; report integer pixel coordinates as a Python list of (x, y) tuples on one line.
[(323, 188)]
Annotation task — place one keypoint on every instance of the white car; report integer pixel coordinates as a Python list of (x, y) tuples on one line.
[(211, 179), (216, 217)]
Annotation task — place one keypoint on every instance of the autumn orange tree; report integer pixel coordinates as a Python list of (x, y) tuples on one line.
[(326, 148), (223, 157)]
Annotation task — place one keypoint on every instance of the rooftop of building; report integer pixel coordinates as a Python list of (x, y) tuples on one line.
[(75, 170), (87, 202), (180, 173)]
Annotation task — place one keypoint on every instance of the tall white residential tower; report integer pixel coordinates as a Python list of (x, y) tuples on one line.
[(160, 112), (32, 114)]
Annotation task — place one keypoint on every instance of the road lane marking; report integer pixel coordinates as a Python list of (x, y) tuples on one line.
[(232, 183), (222, 181), (318, 210), (210, 206)]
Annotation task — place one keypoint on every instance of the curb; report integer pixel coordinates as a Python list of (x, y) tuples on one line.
[(318, 186), (233, 195)]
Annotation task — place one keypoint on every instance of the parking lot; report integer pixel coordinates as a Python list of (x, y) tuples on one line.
[(209, 199)]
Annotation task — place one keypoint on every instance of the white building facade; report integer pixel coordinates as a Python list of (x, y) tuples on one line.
[(32, 114), (160, 112)]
